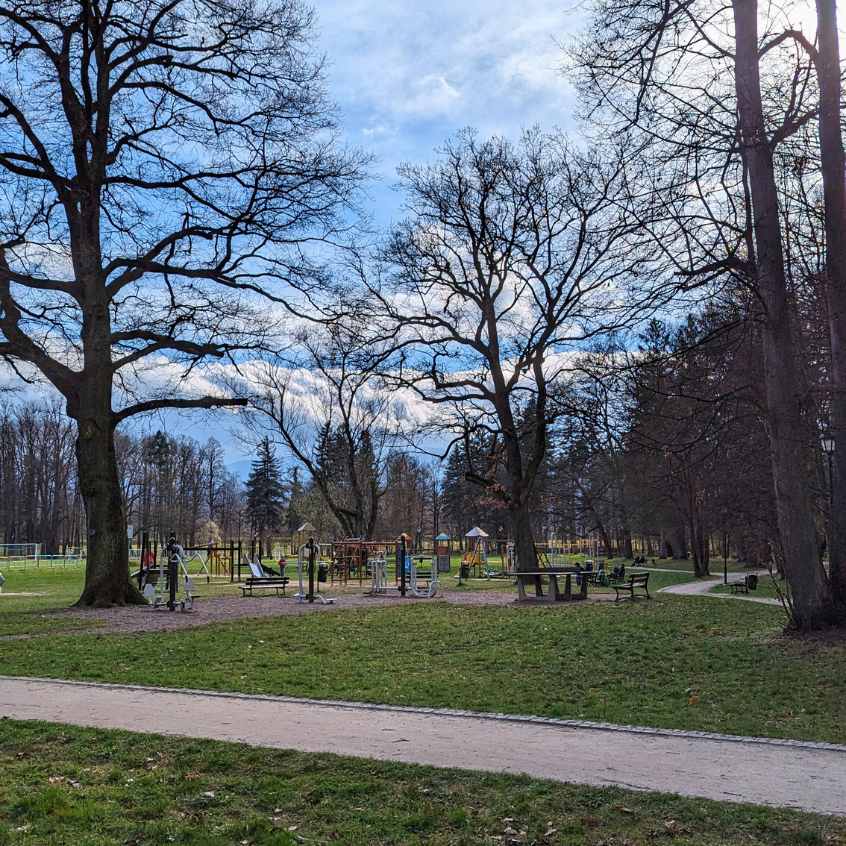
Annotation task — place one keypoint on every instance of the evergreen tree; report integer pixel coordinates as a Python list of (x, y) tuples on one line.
[(296, 500), (265, 495)]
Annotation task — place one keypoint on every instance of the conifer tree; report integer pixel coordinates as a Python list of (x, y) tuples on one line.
[(265, 495)]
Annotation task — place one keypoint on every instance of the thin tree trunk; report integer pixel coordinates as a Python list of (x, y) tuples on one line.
[(834, 193), (813, 605)]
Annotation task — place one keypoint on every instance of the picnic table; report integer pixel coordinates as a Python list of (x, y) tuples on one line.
[(535, 578)]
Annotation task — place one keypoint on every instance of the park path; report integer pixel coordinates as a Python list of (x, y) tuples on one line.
[(703, 588), (808, 776)]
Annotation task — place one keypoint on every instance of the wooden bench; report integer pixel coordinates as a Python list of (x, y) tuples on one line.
[(535, 578), (264, 583), (635, 581), (260, 580), (748, 583)]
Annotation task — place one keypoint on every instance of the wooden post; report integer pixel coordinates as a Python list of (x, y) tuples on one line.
[(402, 564), (311, 569)]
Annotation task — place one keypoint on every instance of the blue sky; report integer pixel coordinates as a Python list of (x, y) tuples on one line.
[(407, 75)]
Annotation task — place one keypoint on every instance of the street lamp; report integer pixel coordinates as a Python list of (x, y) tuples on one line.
[(828, 444)]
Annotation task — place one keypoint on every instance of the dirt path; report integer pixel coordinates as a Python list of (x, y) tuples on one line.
[(224, 609), (808, 776), (704, 587)]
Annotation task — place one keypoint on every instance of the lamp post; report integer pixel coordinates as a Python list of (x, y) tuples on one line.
[(828, 444)]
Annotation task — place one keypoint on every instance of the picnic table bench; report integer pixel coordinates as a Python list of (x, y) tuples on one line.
[(552, 574), (634, 582)]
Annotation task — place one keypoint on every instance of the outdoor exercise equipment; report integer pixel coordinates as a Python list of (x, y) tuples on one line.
[(307, 565), (378, 567), (430, 576), (163, 592)]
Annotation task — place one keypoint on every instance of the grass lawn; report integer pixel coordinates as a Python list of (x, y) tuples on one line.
[(673, 662), (767, 588), (62, 785), (53, 588)]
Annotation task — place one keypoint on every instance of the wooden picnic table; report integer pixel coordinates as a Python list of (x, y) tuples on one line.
[(552, 575)]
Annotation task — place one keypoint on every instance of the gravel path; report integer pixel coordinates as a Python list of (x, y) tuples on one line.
[(224, 609), (808, 776), (703, 588)]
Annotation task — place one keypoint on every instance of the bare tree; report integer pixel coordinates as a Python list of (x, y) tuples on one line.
[(716, 111), (164, 165), (511, 258), (330, 408), (826, 60)]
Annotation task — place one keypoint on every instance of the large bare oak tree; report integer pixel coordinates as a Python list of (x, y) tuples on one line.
[(164, 167), (513, 257)]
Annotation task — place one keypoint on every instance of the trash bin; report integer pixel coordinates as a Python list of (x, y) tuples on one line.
[(464, 571), (752, 581), (322, 573)]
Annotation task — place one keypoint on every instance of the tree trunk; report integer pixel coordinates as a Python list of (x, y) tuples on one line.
[(700, 542), (524, 542), (628, 548), (834, 193), (676, 543), (812, 600), (107, 568)]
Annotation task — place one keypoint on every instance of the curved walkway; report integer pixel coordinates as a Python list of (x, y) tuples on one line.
[(703, 587), (806, 776)]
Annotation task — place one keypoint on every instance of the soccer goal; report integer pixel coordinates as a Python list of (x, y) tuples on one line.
[(20, 554)]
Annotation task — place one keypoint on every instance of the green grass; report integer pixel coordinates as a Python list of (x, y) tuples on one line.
[(673, 662), (55, 587), (767, 588), (62, 785)]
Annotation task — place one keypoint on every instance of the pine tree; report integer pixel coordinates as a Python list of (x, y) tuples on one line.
[(265, 495), (296, 496)]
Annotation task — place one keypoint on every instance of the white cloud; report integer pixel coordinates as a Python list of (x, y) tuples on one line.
[(432, 95), (407, 75)]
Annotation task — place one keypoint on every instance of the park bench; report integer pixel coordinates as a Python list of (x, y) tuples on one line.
[(261, 581), (634, 582), (748, 583), (534, 578)]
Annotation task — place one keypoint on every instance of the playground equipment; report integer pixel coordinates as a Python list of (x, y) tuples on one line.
[(442, 553), (195, 555), (351, 557), (167, 581), (218, 562), (306, 561), (475, 558)]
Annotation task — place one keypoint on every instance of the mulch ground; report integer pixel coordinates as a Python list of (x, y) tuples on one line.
[(225, 609)]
